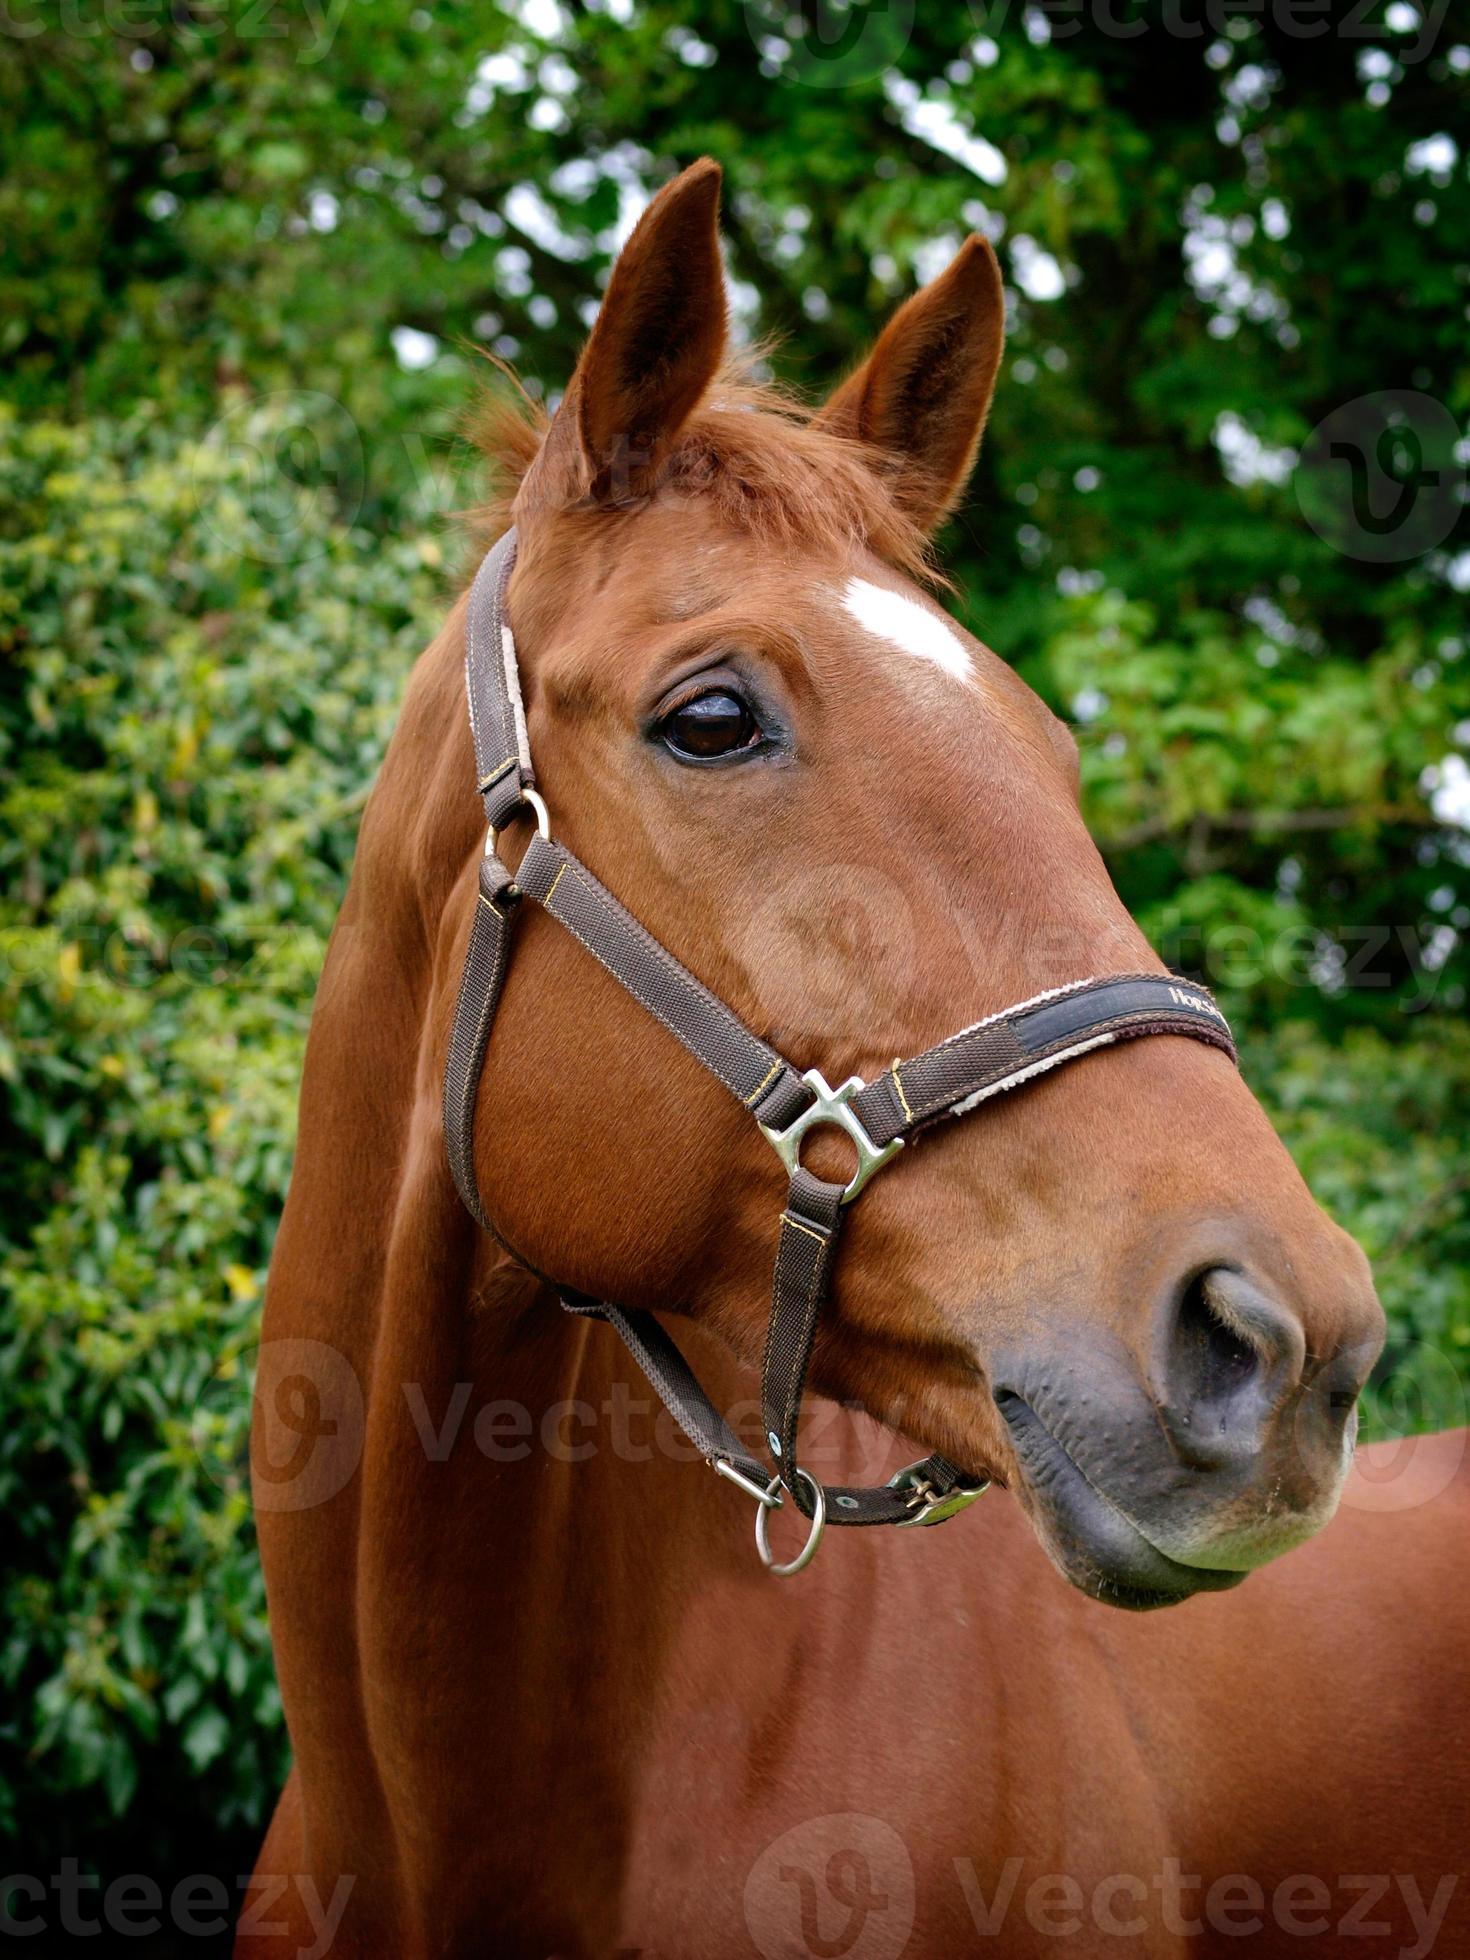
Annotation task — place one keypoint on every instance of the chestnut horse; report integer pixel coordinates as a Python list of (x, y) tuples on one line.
[(542, 1697)]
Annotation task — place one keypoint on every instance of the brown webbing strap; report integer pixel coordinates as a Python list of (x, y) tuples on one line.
[(810, 1225), (753, 1072), (675, 1384), (1026, 1040), (474, 1013), (809, 1229), (493, 685)]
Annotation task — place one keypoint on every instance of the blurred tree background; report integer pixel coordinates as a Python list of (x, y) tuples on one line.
[(248, 250)]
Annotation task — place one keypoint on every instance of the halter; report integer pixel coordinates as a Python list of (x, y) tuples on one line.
[(879, 1117)]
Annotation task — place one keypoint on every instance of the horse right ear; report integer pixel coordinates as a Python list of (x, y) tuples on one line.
[(922, 395), (656, 345)]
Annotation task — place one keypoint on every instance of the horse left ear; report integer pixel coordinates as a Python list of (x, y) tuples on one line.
[(655, 347), (923, 394)]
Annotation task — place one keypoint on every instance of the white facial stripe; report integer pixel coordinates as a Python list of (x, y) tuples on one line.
[(910, 627)]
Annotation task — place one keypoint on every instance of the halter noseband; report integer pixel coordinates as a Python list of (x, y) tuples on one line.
[(983, 1060)]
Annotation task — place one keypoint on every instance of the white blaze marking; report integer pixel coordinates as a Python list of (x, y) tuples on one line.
[(912, 628)]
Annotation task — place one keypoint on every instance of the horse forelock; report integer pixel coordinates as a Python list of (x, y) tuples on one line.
[(753, 451)]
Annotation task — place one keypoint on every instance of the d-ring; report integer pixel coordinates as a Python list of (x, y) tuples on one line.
[(814, 1538), (543, 823)]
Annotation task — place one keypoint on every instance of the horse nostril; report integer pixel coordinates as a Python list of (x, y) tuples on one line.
[(1215, 1352), (1228, 1351)]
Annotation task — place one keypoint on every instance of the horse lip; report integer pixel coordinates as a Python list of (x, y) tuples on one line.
[(1094, 1543)]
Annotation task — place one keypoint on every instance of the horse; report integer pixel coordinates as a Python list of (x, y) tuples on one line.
[(542, 1697)]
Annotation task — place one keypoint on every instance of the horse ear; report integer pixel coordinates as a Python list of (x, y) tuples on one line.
[(655, 347), (923, 394)]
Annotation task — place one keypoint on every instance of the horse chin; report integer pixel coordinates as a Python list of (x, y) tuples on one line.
[(1257, 1541), (1092, 1543)]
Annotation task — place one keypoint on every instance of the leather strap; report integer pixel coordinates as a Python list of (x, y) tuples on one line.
[(810, 1224), (754, 1073), (493, 686), (474, 1015), (1021, 1042), (674, 1382), (988, 1058)]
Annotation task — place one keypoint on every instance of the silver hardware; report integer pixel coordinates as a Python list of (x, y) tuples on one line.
[(814, 1538), (722, 1467), (831, 1106), (775, 1442), (543, 822), (931, 1506)]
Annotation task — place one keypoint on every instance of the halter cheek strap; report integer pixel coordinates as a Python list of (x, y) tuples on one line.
[(994, 1055)]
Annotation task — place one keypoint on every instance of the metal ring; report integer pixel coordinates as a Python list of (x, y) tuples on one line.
[(809, 1550), (543, 823)]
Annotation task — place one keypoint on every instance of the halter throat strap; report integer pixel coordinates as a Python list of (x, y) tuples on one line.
[(992, 1056)]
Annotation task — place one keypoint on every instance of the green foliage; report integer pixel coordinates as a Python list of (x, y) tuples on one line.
[(187, 737), (1377, 1127), (221, 505)]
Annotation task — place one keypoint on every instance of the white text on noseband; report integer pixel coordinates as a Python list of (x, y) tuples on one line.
[(1182, 998)]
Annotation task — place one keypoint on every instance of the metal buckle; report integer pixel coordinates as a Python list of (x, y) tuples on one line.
[(543, 823), (931, 1506), (808, 1552), (831, 1106)]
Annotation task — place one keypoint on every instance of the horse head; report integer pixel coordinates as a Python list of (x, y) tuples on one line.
[(753, 719)]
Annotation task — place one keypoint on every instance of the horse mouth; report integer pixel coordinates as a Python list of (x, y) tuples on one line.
[(1091, 1542)]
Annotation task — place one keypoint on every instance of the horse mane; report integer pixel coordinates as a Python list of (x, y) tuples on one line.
[(751, 448)]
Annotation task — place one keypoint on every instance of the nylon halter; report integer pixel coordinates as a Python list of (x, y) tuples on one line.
[(983, 1060)]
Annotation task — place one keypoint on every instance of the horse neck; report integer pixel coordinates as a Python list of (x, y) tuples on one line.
[(521, 1510), (528, 1448)]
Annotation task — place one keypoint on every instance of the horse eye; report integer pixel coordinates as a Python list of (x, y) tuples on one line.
[(714, 724)]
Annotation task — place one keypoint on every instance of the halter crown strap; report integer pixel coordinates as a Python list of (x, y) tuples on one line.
[(994, 1055), (503, 767)]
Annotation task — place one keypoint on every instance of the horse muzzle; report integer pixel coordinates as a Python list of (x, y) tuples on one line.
[(1228, 1447)]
